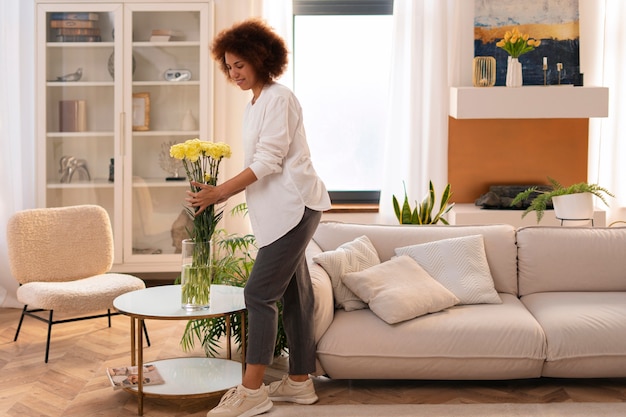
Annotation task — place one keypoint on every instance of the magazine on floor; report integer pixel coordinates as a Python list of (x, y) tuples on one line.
[(128, 376)]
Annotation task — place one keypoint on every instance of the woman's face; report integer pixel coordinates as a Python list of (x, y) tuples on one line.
[(242, 73)]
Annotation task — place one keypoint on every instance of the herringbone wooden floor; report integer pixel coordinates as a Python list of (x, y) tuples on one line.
[(73, 383)]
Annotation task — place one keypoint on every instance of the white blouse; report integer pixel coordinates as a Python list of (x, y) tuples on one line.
[(276, 150)]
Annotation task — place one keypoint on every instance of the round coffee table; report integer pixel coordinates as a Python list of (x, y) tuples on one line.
[(184, 377)]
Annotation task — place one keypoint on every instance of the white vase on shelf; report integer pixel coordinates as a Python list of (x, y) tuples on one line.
[(188, 122), (513, 72)]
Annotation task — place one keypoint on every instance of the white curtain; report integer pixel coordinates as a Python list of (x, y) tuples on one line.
[(607, 145), (427, 56), (279, 15), (16, 125)]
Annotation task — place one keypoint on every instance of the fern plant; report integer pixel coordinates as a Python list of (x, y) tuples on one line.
[(423, 212), (539, 199), (232, 263)]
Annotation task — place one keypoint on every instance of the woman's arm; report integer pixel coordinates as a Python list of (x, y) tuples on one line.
[(210, 194)]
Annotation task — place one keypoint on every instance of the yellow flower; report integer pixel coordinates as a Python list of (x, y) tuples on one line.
[(516, 43), (201, 160)]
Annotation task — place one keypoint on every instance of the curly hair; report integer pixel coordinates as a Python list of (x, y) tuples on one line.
[(256, 43)]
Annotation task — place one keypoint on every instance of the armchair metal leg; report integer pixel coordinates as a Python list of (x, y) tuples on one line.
[(145, 332), (48, 339), (19, 325)]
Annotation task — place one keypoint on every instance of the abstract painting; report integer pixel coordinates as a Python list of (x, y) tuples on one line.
[(554, 22)]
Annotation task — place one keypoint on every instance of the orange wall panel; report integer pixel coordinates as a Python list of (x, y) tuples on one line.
[(484, 152)]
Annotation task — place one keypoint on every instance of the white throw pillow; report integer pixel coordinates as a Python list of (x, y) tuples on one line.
[(352, 256), (460, 265), (399, 290)]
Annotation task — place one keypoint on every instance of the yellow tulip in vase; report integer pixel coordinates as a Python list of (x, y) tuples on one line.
[(201, 160), (516, 44)]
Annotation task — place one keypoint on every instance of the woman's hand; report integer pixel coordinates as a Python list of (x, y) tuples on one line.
[(209, 194), (206, 196)]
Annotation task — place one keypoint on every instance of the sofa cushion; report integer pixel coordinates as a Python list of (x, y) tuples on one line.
[(480, 341), (460, 265), (352, 256), (499, 242), (585, 332), (322, 290), (399, 290), (571, 259)]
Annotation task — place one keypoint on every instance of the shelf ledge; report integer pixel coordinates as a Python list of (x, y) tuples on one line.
[(530, 102)]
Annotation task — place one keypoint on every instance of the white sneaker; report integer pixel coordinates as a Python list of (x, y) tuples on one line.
[(295, 392), (242, 402)]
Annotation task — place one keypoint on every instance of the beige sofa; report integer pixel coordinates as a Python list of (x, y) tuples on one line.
[(562, 311)]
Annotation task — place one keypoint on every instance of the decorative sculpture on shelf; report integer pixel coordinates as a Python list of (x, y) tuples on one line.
[(69, 166), (74, 76)]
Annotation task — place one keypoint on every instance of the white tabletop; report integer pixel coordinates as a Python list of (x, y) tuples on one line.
[(164, 302)]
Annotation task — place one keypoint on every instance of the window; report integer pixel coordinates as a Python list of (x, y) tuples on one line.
[(342, 56)]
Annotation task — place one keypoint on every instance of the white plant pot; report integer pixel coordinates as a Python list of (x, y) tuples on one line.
[(573, 206)]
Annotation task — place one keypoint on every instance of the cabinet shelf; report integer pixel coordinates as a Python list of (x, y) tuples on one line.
[(174, 44), (96, 183), (78, 134), (79, 84), (188, 133), (165, 83), (160, 182), (80, 44)]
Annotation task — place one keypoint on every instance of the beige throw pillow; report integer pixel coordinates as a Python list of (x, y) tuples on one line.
[(460, 265), (399, 290), (352, 256)]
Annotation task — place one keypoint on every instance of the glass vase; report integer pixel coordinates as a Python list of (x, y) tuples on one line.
[(513, 73), (196, 274)]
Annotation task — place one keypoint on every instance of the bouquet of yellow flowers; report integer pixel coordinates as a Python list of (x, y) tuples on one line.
[(201, 160), (516, 43)]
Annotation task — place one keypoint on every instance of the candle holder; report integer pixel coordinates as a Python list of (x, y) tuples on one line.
[(559, 68), (484, 71), (545, 70)]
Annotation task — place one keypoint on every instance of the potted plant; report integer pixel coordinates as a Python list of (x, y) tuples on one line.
[(232, 263), (565, 200), (423, 213)]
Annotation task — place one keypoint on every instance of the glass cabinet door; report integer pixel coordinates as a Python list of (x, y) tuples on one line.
[(167, 104), (117, 85), (78, 103)]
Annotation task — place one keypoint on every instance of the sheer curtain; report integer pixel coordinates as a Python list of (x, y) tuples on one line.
[(16, 125), (431, 41), (607, 145)]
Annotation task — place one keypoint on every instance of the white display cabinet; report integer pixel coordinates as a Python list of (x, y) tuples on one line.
[(121, 106)]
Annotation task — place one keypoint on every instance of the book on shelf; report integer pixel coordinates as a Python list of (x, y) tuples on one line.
[(76, 31), (160, 38), (73, 24), (77, 38), (172, 33), (128, 376), (72, 115), (74, 16)]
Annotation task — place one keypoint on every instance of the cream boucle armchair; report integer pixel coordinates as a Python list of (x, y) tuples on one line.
[(61, 258)]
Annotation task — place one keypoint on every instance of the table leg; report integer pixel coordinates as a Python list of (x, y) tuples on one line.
[(133, 358), (140, 366), (228, 336)]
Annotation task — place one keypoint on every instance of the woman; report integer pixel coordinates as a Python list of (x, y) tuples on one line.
[(285, 199)]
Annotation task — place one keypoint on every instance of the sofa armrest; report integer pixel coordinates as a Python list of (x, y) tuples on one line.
[(323, 291)]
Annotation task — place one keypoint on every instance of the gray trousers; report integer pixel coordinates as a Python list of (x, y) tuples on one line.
[(280, 272)]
